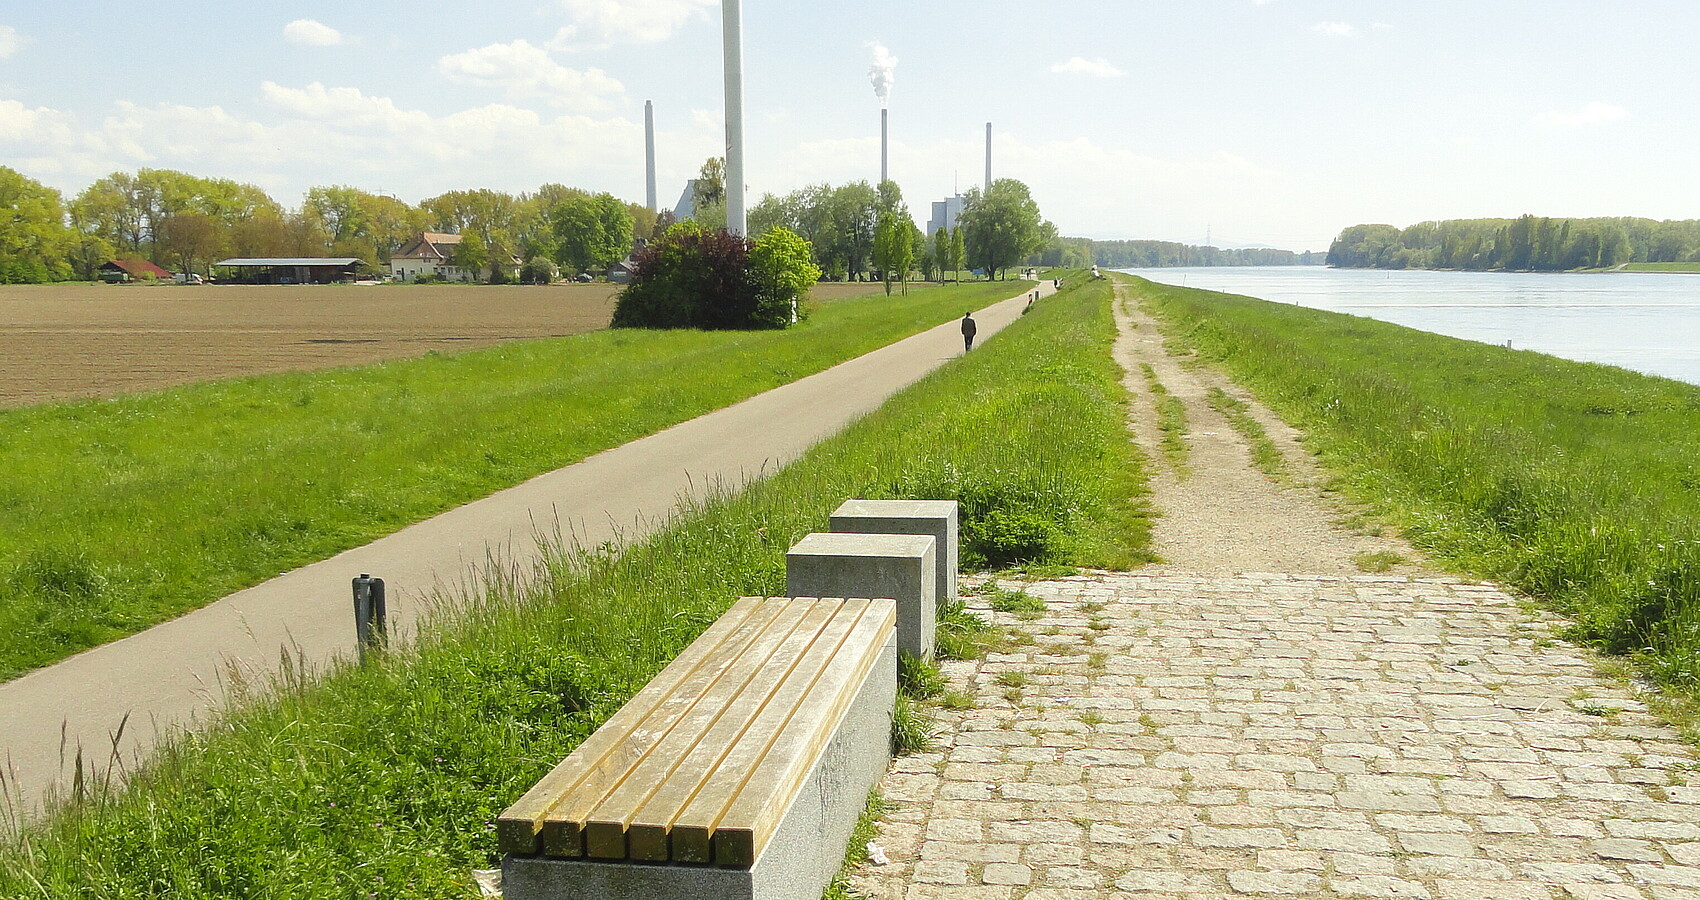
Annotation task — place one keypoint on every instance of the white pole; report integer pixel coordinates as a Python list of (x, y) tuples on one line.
[(649, 154), (988, 157), (733, 13)]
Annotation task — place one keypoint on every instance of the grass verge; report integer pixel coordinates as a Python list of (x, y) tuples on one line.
[(384, 780), (1171, 422), (1264, 454), (1575, 482), (120, 514)]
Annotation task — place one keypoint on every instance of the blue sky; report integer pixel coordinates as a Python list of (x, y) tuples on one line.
[(1271, 122)]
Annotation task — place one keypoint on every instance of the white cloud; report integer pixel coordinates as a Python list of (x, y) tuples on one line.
[(1100, 67), (1335, 29), (602, 23), (524, 71), (325, 135), (10, 41), (310, 33), (1595, 113)]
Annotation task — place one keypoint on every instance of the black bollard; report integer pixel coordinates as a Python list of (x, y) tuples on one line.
[(370, 614)]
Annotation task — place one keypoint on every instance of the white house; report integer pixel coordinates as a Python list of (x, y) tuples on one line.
[(429, 254)]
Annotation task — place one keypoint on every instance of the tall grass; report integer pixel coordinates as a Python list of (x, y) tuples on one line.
[(118, 514), (383, 780), (1575, 482)]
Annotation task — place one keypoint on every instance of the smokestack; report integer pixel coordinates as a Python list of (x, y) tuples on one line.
[(733, 19), (649, 153), (883, 74), (885, 145), (988, 157)]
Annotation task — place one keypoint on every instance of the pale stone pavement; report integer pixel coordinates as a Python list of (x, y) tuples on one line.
[(1176, 736)]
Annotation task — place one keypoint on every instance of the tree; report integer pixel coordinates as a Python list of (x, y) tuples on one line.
[(894, 248), (709, 195), (471, 254), (958, 251), (695, 277), (34, 241), (592, 233), (188, 239), (1001, 227)]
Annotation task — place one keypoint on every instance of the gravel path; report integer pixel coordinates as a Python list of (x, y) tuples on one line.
[(1307, 733)]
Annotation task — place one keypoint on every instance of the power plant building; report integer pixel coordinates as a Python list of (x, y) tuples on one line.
[(945, 214)]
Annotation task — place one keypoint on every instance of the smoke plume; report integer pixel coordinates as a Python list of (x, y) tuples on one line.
[(882, 73)]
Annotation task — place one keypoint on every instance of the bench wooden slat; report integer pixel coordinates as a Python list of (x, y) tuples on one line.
[(755, 718), (604, 758), (740, 813), (605, 826)]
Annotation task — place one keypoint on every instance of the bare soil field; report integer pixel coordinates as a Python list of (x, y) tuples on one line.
[(61, 342)]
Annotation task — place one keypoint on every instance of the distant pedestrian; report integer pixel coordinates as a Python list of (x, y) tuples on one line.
[(968, 330)]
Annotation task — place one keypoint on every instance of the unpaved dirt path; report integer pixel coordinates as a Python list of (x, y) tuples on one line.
[(1219, 513)]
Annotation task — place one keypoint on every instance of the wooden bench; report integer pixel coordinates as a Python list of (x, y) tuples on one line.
[(738, 771)]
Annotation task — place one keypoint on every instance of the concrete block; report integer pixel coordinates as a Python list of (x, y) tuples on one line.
[(899, 567), (798, 862), (935, 517)]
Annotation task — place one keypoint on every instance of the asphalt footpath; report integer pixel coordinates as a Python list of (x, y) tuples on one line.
[(122, 698)]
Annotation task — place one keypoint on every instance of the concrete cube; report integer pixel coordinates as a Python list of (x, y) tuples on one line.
[(935, 517), (900, 567)]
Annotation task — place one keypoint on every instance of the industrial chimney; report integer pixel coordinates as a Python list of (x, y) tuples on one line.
[(732, 15), (988, 157), (649, 154), (885, 145)]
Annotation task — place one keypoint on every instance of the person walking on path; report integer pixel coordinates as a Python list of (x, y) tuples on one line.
[(968, 329)]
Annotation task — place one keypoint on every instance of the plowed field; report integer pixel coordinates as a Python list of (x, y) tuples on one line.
[(62, 342)]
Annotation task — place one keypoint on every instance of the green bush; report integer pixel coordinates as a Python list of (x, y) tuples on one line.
[(694, 277)]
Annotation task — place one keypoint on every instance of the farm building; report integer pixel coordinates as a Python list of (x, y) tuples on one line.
[(305, 270), (431, 254), (122, 270)]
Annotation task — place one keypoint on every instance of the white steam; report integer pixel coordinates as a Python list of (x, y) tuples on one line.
[(883, 73)]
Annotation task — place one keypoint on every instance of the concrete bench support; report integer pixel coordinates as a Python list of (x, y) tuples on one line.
[(933, 517), (737, 773), (900, 567)]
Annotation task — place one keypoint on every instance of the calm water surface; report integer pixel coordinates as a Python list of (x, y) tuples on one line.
[(1649, 323)]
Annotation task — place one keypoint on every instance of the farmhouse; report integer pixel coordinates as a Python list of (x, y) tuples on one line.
[(431, 254), (122, 270), (305, 270)]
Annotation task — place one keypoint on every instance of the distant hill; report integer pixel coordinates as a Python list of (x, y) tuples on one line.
[(1525, 244)]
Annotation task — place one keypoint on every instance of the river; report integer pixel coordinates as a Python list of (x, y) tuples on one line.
[(1649, 323)]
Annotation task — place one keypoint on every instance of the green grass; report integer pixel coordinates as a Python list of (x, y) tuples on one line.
[(1574, 482), (1171, 421), (385, 779), (119, 514), (1264, 454), (1018, 603), (1683, 268)]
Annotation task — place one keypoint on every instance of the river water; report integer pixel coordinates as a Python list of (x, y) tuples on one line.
[(1649, 323)]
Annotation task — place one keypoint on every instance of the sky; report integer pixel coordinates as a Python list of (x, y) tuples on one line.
[(1250, 122)]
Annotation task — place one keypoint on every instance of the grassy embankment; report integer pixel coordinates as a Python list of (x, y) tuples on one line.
[(1679, 268), (1575, 482), (119, 514), (383, 780)]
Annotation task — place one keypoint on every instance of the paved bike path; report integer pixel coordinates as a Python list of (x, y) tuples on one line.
[(178, 671)]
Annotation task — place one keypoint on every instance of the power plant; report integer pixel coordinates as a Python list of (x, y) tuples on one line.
[(883, 74)]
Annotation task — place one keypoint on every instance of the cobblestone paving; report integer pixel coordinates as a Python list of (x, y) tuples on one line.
[(1168, 736)]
